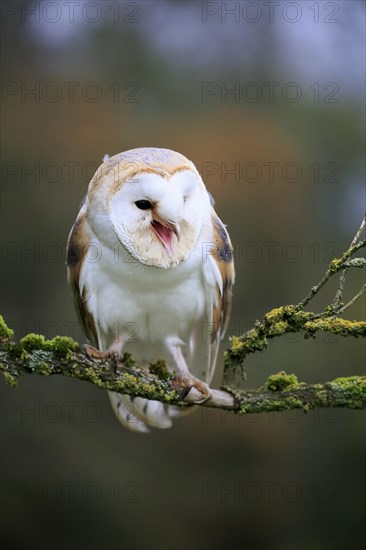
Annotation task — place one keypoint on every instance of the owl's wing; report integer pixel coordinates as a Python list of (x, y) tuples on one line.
[(77, 247), (222, 265), (219, 276)]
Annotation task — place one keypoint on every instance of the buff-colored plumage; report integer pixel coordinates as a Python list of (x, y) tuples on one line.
[(151, 268)]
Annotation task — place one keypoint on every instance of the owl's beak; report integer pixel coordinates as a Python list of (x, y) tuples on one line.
[(175, 227), (165, 230)]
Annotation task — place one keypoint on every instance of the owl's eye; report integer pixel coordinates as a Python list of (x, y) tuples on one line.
[(185, 199), (143, 205)]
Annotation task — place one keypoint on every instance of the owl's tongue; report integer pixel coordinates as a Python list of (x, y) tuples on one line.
[(165, 234)]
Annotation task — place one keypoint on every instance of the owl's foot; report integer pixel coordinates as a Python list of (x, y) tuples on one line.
[(194, 390), (94, 353)]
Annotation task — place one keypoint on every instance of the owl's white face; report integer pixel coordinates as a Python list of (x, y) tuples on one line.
[(159, 219)]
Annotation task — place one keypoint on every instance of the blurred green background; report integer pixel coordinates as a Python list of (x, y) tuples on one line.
[(267, 99)]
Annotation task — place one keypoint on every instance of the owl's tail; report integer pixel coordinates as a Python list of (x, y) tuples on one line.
[(138, 414)]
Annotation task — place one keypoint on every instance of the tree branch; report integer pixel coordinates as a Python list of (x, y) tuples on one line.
[(62, 356), (342, 279)]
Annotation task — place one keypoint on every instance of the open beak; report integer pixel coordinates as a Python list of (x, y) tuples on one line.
[(165, 231)]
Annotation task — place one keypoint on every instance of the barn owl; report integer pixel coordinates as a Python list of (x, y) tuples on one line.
[(151, 268)]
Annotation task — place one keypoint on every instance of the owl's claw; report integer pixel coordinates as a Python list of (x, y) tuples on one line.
[(193, 389), (115, 357), (94, 353)]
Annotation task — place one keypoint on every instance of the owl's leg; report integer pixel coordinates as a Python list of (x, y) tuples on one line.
[(197, 391), (115, 349)]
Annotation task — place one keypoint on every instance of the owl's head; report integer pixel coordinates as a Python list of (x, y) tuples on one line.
[(153, 201)]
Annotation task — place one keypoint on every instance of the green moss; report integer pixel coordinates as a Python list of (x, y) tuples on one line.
[(275, 315), (91, 375), (63, 345), (350, 391), (10, 379), (16, 351), (322, 397), (281, 381), (234, 355), (160, 369), (128, 383), (351, 382), (279, 328), (128, 360), (43, 369), (255, 340), (336, 264), (276, 405), (339, 263), (331, 309), (298, 318), (33, 341), (336, 325), (6, 333), (170, 396), (294, 403), (284, 319), (137, 385), (343, 392), (59, 344), (236, 345)]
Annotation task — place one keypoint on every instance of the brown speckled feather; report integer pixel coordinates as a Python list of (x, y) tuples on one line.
[(77, 246), (222, 253)]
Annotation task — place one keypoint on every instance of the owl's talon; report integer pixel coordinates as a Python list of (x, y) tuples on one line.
[(94, 353), (114, 356), (181, 385), (198, 396), (193, 389)]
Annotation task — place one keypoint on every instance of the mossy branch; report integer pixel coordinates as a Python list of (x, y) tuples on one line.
[(63, 356)]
